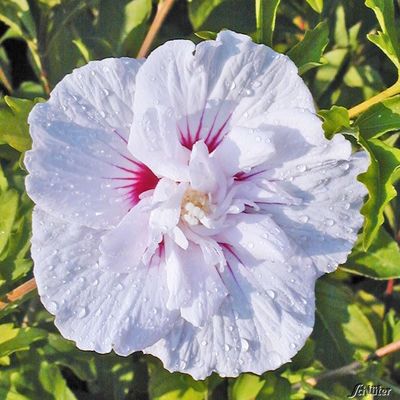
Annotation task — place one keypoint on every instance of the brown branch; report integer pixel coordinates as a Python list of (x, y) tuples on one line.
[(163, 9), (352, 368), (18, 293)]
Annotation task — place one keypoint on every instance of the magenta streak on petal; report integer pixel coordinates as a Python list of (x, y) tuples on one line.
[(229, 248), (242, 176), (212, 140), (141, 180), (120, 136)]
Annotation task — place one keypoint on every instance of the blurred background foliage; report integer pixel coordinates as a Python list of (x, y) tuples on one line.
[(343, 60)]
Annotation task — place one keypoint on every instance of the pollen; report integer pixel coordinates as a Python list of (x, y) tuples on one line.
[(194, 206)]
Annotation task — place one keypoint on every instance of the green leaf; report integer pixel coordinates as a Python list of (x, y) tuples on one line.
[(335, 120), (387, 40), (380, 261), (200, 10), (63, 352), (14, 128), (8, 211), (16, 14), (164, 385), (378, 179), (214, 15), (307, 53), (341, 330), (18, 339), (275, 388), (327, 73), (83, 49), (341, 35), (265, 20), (380, 118), (246, 387), (54, 383), (206, 35), (317, 5)]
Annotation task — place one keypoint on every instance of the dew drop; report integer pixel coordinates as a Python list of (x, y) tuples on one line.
[(233, 85), (81, 312), (304, 219), (301, 168), (53, 306), (292, 346), (271, 293), (245, 345), (256, 84), (345, 166), (227, 347), (204, 343), (329, 222)]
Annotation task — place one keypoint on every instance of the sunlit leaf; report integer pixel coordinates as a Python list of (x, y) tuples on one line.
[(387, 39), (380, 261), (378, 179), (341, 328), (164, 385), (265, 20), (317, 5), (381, 118), (14, 128), (307, 53), (335, 120), (246, 387), (8, 212), (14, 339)]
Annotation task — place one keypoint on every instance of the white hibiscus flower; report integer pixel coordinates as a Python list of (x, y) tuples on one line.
[(186, 205)]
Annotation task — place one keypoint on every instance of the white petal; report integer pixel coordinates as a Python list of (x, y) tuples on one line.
[(264, 321), (187, 93), (123, 247), (194, 287), (79, 168), (205, 173), (99, 310), (326, 223)]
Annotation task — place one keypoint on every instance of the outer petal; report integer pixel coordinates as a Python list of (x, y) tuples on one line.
[(263, 322), (100, 310), (326, 223), (187, 93), (80, 168)]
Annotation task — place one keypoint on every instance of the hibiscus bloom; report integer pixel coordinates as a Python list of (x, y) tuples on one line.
[(186, 205)]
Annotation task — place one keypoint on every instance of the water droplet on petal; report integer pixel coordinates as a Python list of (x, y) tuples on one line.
[(53, 307), (301, 168), (81, 312), (271, 293), (227, 347), (304, 219), (245, 345), (329, 222), (345, 166)]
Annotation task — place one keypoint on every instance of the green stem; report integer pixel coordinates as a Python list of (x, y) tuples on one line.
[(360, 108)]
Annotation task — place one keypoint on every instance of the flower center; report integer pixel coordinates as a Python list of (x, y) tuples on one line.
[(194, 206)]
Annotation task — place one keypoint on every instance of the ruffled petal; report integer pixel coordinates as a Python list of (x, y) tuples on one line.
[(326, 223), (100, 310), (264, 321), (79, 168), (195, 288), (214, 90)]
